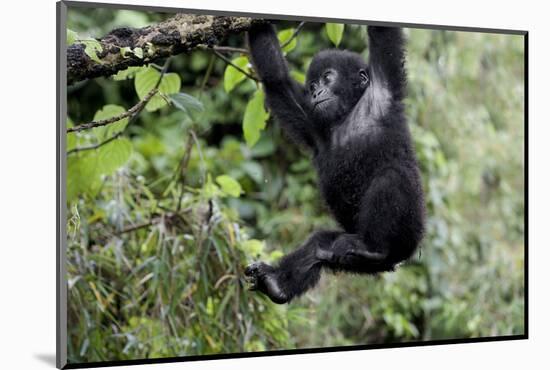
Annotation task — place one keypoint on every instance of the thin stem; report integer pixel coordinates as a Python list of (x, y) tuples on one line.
[(132, 119), (228, 61), (95, 146), (294, 34), (230, 49), (136, 227), (207, 75), (203, 165), (104, 122), (183, 165)]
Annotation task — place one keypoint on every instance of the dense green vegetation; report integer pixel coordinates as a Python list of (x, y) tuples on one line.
[(163, 218)]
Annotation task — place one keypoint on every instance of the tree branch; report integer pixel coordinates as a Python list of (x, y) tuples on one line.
[(104, 122), (176, 35), (118, 134), (230, 49)]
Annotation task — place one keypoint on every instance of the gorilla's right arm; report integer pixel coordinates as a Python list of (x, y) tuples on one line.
[(387, 61), (285, 97)]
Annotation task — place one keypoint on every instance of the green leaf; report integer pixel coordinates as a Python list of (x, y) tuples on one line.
[(210, 190), (146, 80), (229, 185), (113, 155), (263, 148), (232, 76), (91, 47), (71, 137), (253, 247), (131, 18), (71, 37), (255, 118), (209, 307), (335, 32), (284, 36), (298, 76), (130, 72), (186, 102), (276, 255), (82, 174), (85, 169), (108, 111), (71, 140), (254, 170)]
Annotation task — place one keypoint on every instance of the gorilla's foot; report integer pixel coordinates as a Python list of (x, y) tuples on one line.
[(263, 277)]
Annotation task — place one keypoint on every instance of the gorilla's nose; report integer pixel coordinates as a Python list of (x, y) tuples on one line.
[(319, 93)]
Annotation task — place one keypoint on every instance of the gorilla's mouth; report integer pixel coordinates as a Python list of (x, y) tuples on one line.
[(321, 103)]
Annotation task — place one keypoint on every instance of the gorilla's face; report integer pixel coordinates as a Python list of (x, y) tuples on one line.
[(335, 81)]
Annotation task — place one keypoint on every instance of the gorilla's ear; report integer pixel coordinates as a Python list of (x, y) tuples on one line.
[(364, 77)]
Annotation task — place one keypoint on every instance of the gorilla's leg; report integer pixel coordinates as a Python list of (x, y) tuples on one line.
[(350, 253), (379, 224), (297, 271)]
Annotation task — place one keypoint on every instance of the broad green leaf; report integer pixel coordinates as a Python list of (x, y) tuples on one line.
[(71, 137), (71, 37), (254, 170), (186, 102), (209, 307), (232, 76), (113, 155), (82, 174), (335, 32), (255, 118), (146, 80), (263, 148), (284, 36), (210, 190), (91, 47), (170, 84), (84, 170), (253, 247), (229, 185), (298, 76), (131, 18), (275, 255), (108, 111), (71, 140), (129, 72)]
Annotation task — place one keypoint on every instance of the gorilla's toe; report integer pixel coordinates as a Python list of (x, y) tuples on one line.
[(262, 277), (252, 269), (257, 268)]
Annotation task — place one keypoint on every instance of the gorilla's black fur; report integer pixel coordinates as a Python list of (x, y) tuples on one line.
[(351, 116)]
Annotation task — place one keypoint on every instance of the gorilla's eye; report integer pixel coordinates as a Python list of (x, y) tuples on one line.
[(327, 76)]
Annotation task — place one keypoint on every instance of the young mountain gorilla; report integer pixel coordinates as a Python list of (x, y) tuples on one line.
[(351, 116)]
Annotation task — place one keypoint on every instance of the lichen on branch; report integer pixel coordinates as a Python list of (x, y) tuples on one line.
[(125, 47)]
